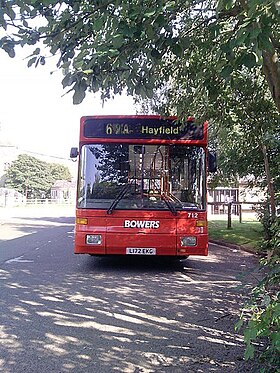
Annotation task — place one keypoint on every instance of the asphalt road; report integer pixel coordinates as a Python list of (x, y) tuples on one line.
[(60, 312)]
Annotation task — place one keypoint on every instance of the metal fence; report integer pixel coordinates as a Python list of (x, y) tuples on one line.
[(46, 201), (216, 209), (233, 208)]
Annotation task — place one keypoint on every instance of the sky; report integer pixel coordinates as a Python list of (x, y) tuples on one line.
[(33, 114)]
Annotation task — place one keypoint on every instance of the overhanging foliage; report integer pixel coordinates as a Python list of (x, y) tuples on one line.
[(112, 45)]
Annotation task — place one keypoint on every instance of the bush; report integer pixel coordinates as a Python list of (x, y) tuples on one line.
[(262, 328), (264, 216)]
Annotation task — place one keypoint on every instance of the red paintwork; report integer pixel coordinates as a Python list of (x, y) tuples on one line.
[(116, 238)]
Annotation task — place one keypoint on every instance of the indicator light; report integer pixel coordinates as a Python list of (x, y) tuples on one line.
[(83, 221), (200, 223)]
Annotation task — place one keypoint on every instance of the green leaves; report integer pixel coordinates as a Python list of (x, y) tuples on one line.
[(31, 61), (117, 41), (155, 54), (149, 13), (98, 24), (6, 13), (36, 58), (226, 71), (248, 60), (263, 309), (8, 45), (122, 36), (60, 172), (80, 88), (249, 352), (224, 5), (177, 49)]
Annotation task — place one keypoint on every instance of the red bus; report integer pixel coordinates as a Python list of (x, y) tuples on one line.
[(141, 186)]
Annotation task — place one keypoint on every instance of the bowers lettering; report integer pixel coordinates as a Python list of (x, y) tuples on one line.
[(148, 224)]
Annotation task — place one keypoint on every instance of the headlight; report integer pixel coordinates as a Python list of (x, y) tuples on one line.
[(188, 241), (93, 239)]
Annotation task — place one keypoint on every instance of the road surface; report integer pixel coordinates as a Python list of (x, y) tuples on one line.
[(67, 313)]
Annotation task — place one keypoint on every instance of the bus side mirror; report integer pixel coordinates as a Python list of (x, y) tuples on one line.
[(212, 161), (74, 153)]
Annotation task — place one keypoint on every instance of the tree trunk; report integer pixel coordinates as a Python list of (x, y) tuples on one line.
[(271, 68), (270, 186), (269, 182)]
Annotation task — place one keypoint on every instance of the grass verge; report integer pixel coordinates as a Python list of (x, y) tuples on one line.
[(247, 234)]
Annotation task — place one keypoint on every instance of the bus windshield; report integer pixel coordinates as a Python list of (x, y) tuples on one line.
[(151, 177)]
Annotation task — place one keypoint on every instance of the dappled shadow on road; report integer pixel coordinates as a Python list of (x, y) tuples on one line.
[(123, 314)]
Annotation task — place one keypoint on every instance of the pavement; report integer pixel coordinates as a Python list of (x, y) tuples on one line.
[(13, 218)]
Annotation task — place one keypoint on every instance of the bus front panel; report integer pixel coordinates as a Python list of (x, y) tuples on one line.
[(140, 234)]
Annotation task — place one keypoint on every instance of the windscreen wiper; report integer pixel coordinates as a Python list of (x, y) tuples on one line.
[(169, 204), (118, 198)]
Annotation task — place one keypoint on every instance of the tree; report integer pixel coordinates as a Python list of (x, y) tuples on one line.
[(32, 177), (60, 172), (244, 123), (244, 128), (113, 45)]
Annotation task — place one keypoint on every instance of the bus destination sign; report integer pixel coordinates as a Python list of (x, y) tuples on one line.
[(142, 128)]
